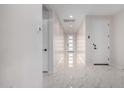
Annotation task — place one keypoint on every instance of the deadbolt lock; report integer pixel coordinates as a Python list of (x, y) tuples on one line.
[(45, 49)]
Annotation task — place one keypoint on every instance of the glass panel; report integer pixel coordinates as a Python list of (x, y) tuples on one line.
[(70, 41), (70, 45), (70, 48), (70, 37), (70, 55)]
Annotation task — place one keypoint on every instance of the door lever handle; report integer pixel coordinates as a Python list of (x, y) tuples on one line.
[(94, 46)]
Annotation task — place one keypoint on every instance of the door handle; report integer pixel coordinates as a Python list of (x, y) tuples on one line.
[(94, 46)]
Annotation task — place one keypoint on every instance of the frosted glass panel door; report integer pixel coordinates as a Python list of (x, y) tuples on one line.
[(70, 51)]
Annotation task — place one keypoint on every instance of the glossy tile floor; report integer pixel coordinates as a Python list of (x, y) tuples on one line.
[(84, 76)]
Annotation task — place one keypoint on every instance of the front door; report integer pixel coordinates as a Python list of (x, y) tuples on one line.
[(100, 40)]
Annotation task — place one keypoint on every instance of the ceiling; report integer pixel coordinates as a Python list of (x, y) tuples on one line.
[(77, 12)]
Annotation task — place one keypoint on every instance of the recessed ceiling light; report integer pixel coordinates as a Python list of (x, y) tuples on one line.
[(71, 16)]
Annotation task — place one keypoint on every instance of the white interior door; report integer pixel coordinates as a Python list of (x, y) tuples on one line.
[(100, 40), (45, 45)]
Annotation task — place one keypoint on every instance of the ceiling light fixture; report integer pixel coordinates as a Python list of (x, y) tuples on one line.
[(70, 25), (71, 16)]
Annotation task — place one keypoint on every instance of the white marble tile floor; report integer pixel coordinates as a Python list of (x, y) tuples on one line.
[(88, 76)]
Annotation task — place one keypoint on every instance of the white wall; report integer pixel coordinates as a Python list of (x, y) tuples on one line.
[(20, 46), (117, 37), (58, 41), (81, 43), (51, 46)]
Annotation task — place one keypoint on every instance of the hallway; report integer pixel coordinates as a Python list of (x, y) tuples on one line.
[(62, 46), (84, 76), (83, 45)]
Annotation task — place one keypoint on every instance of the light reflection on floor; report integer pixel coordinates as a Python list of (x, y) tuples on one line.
[(81, 76)]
